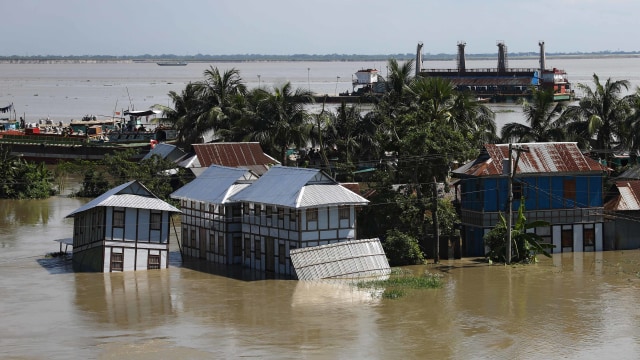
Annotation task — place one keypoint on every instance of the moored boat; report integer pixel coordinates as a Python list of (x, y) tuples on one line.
[(172, 63)]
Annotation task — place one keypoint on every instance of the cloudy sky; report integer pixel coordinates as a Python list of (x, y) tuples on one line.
[(283, 27)]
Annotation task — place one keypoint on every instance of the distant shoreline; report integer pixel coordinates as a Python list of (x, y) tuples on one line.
[(292, 58)]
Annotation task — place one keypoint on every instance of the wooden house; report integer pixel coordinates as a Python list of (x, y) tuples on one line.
[(289, 208), (622, 207), (557, 183), (126, 228), (211, 224)]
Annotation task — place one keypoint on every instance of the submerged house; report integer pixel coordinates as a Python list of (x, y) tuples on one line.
[(289, 208), (126, 228), (211, 224), (557, 183), (260, 221), (622, 208)]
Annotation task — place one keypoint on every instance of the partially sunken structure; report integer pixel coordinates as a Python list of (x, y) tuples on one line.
[(126, 228)]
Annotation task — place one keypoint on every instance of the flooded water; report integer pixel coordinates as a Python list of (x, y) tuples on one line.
[(573, 306)]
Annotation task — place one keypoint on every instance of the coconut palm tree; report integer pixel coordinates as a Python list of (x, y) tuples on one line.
[(280, 120), (602, 111), (542, 117)]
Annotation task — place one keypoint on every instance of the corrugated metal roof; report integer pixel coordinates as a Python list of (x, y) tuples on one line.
[(215, 185), (234, 154), (631, 173), (562, 157), (165, 151), (129, 195), (348, 259), (628, 198), (298, 188)]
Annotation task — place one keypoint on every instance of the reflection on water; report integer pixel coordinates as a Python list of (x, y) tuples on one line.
[(576, 306), (127, 299)]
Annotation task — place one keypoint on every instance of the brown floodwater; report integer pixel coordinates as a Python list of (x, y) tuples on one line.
[(573, 306)]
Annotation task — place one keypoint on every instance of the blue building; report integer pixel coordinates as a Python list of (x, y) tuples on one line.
[(557, 183)]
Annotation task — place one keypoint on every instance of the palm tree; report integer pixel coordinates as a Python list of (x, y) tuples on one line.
[(542, 115), (602, 111), (281, 120)]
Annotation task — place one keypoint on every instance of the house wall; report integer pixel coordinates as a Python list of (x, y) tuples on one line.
[(622, 234), (208, 230), (540, 192), (97, 236), (560, 200)]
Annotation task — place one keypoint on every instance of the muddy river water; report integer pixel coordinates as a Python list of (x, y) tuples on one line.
[(573, 306)]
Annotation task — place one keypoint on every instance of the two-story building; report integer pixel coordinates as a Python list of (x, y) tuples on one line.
[(126, 228), (557, 183), (211, 223), (286, 208)]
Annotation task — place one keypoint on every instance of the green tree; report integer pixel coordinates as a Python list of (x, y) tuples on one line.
[(527, 245), (22, 179), (402, 249), (280, 120), (603, 112), (541, 115)]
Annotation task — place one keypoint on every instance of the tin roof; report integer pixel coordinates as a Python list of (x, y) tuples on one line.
[(234, 154), (128, 195), (298, 188), (166, 151), (347, 259), (628, 197), (215, 185), (556, 157), (631, 173)]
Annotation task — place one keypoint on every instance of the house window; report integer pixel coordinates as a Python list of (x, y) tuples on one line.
[(293, 215), (344, 212), (312, 214), (280, 213), (516, 190), (212, 242), (589, 237), (236, 212), (570, 191), (245, 208), (256, 209), (155, 221), (247, 248), (118, 218), (566, 240), (257, 252), (237, 246), (220, 244), (269, 210), (153, 262), (117, 261), (193, 238), (281, 254)]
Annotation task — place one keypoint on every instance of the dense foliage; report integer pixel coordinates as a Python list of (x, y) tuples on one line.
[(526, 245), (22, 179)]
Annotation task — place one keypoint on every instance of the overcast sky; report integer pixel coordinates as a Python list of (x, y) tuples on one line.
[(284, 27)]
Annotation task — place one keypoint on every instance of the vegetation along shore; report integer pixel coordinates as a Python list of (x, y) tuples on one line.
[(416, 132)]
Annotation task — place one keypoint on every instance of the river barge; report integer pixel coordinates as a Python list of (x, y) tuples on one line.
[(501, 84)]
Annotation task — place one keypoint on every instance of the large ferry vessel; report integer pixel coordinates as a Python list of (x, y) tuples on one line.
[(502, 83)]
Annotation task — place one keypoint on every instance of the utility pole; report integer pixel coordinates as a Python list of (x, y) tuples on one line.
[(436, 227), (511, 174)]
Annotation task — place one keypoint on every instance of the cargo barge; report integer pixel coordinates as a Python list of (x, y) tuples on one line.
[(501, 84)]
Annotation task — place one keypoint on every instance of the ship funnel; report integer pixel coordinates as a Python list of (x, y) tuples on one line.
[(502, 57), (542, 57), (419, 59), (461, 61)]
